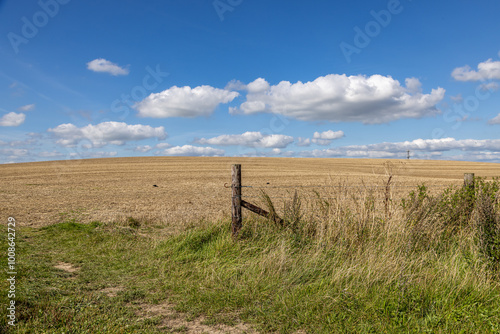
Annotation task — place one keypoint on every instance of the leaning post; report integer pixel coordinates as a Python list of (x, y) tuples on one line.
[(236, 199)]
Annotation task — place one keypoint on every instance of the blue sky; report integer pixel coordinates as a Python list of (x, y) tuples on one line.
[(87, 79)]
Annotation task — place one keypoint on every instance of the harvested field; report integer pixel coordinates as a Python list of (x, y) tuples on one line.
[(189, 189)]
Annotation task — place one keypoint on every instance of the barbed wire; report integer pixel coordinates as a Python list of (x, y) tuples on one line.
[(347, 186), (351, 186), (322, 198)]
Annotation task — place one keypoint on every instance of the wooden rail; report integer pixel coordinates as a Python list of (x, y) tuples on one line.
[(261, 212)]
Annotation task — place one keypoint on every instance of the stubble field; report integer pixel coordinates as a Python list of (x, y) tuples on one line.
[(189, 189)]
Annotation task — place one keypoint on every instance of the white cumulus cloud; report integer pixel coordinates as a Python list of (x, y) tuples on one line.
[(326, 137), (249, 139), (341, 98), (147, 148), (143, 149), (479, 156), (12, 119), (184, 102), (488, 70), (303, 141), (115, 133), (14, 152), (105, 66), (189, 150), (425, 148), (162, 145)]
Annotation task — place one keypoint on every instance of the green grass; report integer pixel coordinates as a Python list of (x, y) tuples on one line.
[(364, 274), (54, 301)]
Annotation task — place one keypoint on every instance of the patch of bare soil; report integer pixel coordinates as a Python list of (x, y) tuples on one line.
[(67, 267), (112, 291), (173, 321)]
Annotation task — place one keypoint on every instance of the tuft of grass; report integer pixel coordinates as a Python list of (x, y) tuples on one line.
[(133, 223)]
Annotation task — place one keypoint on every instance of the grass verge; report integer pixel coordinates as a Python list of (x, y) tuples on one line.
[(415, 270)]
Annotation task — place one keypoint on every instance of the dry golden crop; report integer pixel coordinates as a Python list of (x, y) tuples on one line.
[(192, 188)]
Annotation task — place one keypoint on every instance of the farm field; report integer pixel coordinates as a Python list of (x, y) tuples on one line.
[(144, 245), (189, 189)]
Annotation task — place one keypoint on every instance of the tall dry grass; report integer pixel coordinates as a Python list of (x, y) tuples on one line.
[(446, 239)]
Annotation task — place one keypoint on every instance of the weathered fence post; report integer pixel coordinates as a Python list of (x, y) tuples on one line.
[(236, 199), (469, 180), (237, 203)]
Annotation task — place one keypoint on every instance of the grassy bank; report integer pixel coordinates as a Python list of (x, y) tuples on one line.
[(348, 264)]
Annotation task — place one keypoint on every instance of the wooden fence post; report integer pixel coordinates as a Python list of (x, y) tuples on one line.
[(236, 199), (469, 180)]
